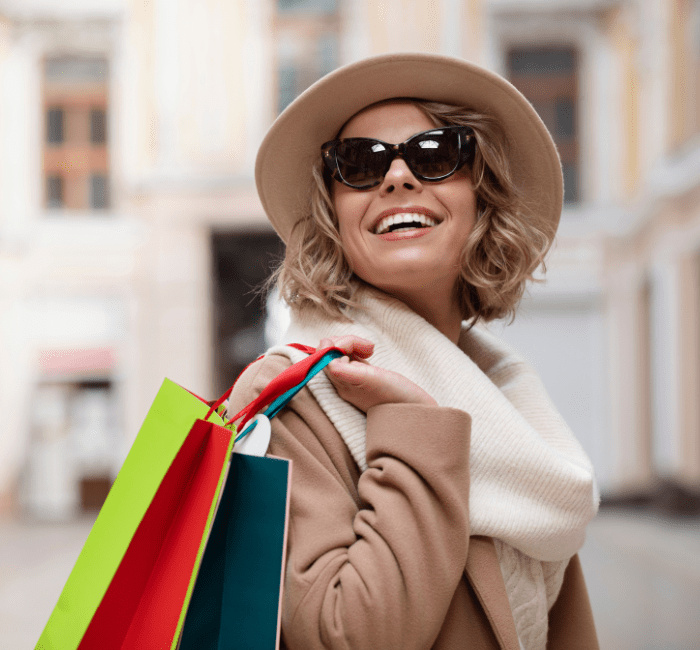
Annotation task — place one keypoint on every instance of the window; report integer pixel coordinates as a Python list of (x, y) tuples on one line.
[(306, 45), (308, 6), (548, 77), (241, 261), (75, 156), (54, 126), (98, 126), (54, 192), (98, 192)]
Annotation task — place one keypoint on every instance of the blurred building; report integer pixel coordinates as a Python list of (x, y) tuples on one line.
[(131, 233)]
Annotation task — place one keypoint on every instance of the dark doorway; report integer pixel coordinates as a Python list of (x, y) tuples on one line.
[(242, 263)]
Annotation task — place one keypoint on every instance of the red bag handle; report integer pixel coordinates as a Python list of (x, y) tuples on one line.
[(281, 384)]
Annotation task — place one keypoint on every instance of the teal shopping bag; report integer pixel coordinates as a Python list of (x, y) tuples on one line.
[(237, 597)]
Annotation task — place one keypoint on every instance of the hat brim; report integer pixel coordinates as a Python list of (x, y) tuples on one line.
[(292, 145)]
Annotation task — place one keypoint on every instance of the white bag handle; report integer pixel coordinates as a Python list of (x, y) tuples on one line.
[(257, 441)]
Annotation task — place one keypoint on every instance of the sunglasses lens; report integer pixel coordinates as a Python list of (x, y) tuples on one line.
[(361, 162), (433, 154)]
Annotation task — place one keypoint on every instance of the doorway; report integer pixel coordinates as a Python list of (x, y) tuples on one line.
[(242, 262)]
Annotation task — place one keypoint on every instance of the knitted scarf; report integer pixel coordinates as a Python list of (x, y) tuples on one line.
[(532, 486)]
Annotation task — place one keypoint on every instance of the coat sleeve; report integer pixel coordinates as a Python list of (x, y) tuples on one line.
[(373, 559)]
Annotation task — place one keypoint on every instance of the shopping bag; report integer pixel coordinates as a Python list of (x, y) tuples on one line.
[(237, 597), (132, 583)]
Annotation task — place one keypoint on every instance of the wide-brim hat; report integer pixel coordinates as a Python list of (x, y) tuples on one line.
[(293, 143)]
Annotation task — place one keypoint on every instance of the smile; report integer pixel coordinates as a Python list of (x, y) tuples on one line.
[(404, 221)]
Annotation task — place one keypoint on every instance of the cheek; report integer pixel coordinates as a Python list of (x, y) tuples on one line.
[(349, 207), (349, 210), (463, 200)]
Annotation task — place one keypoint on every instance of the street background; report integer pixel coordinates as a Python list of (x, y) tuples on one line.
[(131, 238)]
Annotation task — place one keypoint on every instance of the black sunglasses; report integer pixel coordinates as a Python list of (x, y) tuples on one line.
[(432, 155)]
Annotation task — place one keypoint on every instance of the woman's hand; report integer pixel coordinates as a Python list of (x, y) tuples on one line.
[(364, 385)]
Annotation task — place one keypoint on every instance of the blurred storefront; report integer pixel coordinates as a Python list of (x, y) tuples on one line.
[(131, 235)]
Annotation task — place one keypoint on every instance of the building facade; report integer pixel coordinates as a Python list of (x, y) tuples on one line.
[(131, 233)]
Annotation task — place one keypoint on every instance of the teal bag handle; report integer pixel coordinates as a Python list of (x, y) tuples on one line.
[(278, 404)]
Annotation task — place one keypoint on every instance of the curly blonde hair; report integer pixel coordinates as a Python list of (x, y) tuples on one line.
[(506, 246)]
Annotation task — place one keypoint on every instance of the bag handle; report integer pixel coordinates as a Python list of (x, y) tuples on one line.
[(289, 382), (280, 402), (283, 387)]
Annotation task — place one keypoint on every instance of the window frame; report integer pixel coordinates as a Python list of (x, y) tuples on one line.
[(545, 95), (601, 132), (307, 29), (78, 156)]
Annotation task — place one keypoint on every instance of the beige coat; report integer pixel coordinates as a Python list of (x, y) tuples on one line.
[(383, 559)]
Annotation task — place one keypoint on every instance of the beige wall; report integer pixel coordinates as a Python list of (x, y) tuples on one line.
[(193, 90), (684, 82), (622, 36)]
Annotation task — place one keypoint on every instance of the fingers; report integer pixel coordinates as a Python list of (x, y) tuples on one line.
[(354, 346), (364, 385)]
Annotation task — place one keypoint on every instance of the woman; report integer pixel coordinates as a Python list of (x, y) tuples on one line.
[(438, 499)]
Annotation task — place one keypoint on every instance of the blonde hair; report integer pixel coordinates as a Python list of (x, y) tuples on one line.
[(506, 246)]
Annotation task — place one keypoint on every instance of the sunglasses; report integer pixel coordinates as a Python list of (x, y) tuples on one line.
[(432, 155)]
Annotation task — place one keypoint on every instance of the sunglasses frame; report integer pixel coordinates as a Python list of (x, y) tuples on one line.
[(467, 146)]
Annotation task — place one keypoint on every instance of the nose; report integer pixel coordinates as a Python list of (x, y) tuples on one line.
[(398, 177)]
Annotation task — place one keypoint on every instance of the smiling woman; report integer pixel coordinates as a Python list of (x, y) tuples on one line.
[(438, 499)]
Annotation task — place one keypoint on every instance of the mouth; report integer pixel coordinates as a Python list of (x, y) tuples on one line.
[(404, 221)]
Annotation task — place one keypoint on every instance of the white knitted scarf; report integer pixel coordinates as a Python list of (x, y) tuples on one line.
[(532, 486)]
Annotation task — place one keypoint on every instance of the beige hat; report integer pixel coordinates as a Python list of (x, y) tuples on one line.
[(293, 143)]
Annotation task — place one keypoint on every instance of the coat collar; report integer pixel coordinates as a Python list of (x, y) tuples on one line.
[(484, 573)]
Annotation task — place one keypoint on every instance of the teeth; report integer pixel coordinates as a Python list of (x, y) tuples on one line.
[(407, 217)]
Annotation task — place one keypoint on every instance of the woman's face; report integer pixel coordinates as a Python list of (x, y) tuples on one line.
[(417, 259)]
